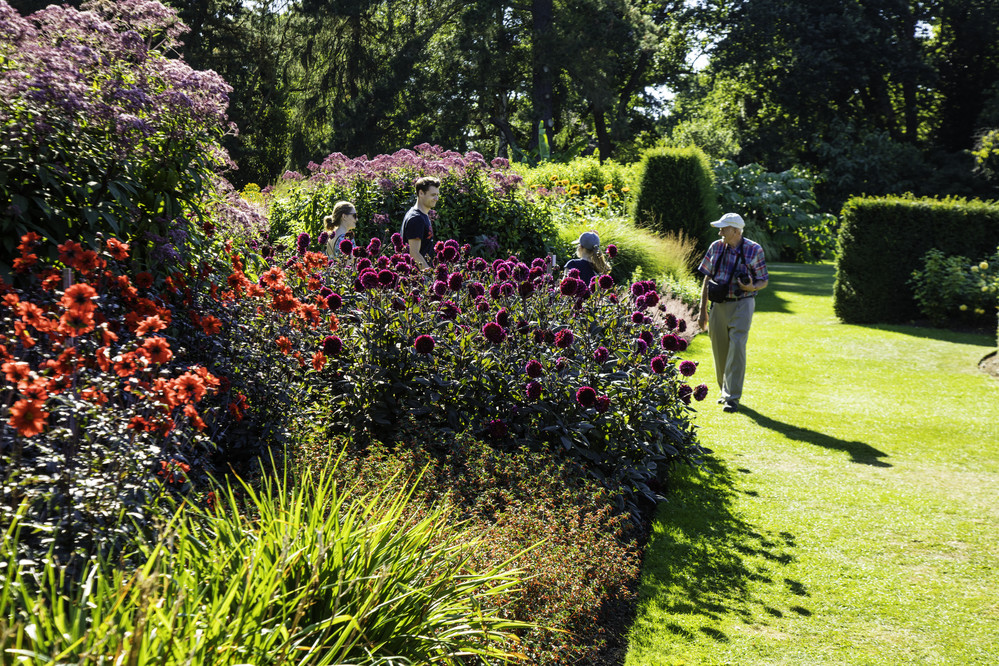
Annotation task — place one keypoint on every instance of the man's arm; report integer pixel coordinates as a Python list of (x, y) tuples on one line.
[(702, 314), (758, 285), (414, 252)]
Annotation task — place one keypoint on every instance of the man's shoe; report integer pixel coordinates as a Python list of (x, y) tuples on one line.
[(731, 406), (722, 401)]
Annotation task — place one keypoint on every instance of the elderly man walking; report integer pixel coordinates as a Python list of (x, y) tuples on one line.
[(734, 270)]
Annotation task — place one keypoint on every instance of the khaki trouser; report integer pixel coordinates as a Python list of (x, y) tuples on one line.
[(728, 328)]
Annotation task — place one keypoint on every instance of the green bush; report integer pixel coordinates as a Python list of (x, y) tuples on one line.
[(954, 288), (481, 202), (102, 132), (526, 507), (296, 573), (782, 205), (675, 192), (582, 178), (883, 239)]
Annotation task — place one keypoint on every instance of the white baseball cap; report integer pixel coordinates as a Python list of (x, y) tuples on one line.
[(730, 220)]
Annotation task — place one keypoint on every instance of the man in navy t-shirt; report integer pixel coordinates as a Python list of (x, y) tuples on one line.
[(417, 231)]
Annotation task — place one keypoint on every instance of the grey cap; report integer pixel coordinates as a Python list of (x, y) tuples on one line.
[(588, 239)]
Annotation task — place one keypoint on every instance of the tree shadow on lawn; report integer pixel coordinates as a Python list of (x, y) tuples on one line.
[(800, 279), (859, 451), (704, 560)]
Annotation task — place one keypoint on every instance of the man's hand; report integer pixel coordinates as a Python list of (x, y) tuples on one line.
[(702, 320), (747, 285)]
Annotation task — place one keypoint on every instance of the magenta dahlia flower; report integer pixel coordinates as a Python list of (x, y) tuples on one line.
[(684, 393), (494, 333), (424, 344), (334, 301), (688, 368), (612, 250), (332, 345), (534, 369), (670, 342), (701, 392), (603, 404), (601, 354), (658, 364), (586, 396), (533, 391), (564, 339), (605, 281)]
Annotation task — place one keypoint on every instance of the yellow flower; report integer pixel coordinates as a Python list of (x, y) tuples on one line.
[(554, 179), (588, 185), (565, 183), (985, 287), (984, 265), (594, 199), (963, 308), (608, 187), (626, 189), (602, 203), (979, 311)]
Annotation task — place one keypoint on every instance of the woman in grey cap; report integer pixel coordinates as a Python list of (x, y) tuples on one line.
[(590, 260)]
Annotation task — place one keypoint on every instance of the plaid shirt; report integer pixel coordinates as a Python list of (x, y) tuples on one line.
[(724, 258)]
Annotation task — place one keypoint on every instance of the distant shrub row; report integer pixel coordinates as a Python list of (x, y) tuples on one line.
[(882, 240)]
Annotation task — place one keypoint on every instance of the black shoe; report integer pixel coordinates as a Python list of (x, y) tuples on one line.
[(731, 406)]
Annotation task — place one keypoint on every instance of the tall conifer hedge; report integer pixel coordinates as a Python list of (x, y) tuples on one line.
[(676, 192)]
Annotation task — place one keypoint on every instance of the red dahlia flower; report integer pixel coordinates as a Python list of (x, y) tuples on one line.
[(28, 417)]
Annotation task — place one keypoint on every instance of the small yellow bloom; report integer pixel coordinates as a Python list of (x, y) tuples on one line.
[(565, 182), (984, 265), (985, 288), (588, 185), (608, 187), (963, 308), (979, 311), (626, 189), (554, 179), (594, 199), (602, 203)]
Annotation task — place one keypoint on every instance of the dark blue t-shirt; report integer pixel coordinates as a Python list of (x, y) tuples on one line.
[(584, 267), (416, 224)]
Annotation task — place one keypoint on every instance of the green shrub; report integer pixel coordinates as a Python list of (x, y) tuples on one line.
[(883, 239), (526, 507), (675, 193), (782, 206), (582, 178), (954, 288), (297, 573), (480, 201), (102, 132)]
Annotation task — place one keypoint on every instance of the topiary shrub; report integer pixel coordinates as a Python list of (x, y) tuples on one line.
[(883, 239), (675, 192)]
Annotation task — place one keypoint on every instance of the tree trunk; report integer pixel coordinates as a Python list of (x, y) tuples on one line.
[(543, 14), (604, 144)]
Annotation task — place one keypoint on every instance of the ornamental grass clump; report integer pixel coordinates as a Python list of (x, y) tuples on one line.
[(293, 573)]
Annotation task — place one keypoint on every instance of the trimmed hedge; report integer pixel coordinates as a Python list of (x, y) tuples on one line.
[(676, 192), (884, 238)]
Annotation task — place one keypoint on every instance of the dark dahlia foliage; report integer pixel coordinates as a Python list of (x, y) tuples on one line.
[(101, 129), (481, 202), (512, 353)]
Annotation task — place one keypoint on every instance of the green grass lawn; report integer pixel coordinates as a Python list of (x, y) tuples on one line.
[(851, 512)]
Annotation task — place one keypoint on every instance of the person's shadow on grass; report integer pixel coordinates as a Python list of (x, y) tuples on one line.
[(859, 451)]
